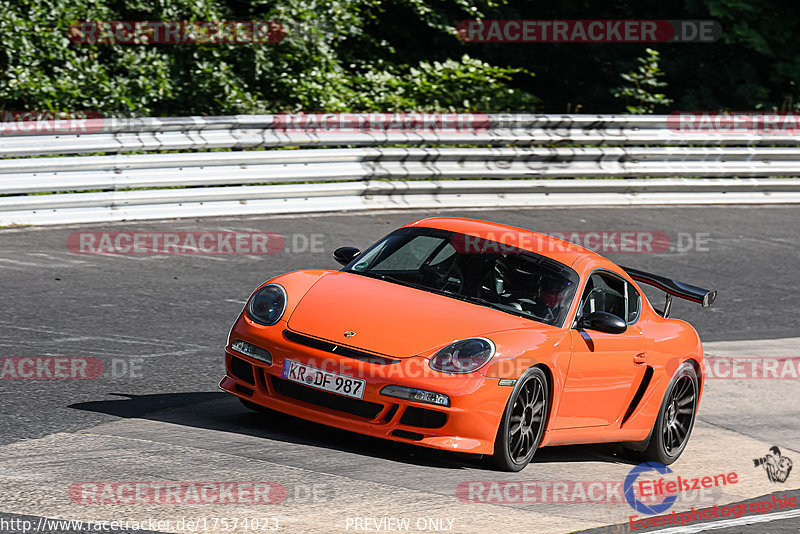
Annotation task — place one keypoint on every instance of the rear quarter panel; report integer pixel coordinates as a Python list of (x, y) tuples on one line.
[(672, 342)]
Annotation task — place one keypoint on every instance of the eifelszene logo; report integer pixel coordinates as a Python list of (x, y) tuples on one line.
[(630, 482), (668, 490)]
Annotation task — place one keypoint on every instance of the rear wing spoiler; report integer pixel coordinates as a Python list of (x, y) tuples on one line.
[(673, 288)]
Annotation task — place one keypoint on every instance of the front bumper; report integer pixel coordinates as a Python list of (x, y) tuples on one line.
[(469, 424)]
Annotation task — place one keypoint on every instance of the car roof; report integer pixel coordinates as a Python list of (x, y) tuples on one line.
[(562, 251)]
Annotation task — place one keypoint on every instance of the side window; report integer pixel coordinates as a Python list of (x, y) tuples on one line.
[(605, 293), (613, 295), (634, 304)]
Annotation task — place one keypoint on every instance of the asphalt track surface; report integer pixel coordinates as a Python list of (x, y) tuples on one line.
[(158, 324)]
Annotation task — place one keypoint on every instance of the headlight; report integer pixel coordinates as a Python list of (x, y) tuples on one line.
[(267, 305), (463, 356)]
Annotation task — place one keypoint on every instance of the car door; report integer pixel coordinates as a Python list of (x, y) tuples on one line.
[(605, 369)]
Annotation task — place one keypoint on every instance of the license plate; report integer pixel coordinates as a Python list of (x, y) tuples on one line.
[(324, 380)]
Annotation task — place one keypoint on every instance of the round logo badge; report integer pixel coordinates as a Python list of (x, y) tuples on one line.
[(636, 504)]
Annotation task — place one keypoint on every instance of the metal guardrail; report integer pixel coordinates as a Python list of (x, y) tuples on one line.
[(259, 167), (526, 160), (353, 196), (265, 131)]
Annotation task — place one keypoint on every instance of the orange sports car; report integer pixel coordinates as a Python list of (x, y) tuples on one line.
[(476, 337)]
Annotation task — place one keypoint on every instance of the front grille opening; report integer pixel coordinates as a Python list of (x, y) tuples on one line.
[(243, 390), (341, 350), (390, 413), (262, 378), (408, 435), (423, 418), (242, 370), (361, 408)]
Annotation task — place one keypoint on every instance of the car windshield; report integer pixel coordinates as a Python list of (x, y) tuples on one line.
[(484, 272)]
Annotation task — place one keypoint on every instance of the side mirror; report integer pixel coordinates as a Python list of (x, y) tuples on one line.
[(345, 255), (602, 322)]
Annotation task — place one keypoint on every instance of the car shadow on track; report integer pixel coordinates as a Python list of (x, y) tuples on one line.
[(221, 412)]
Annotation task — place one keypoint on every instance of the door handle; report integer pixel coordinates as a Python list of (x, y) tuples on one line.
[(640, 358)]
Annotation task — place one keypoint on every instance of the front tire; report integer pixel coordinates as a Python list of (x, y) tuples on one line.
[(523, 422), (675, 419)]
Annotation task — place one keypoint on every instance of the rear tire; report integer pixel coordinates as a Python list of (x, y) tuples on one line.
[(523, 422), (675, 420)]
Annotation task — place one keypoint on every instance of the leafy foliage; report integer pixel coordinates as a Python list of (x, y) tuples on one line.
[(328, 61), (393, 55), (641, 84)]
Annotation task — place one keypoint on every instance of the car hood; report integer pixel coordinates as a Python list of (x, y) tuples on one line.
[(392, 319)]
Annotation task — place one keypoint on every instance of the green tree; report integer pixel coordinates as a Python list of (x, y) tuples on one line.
[(336, 57), (642, 84)]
